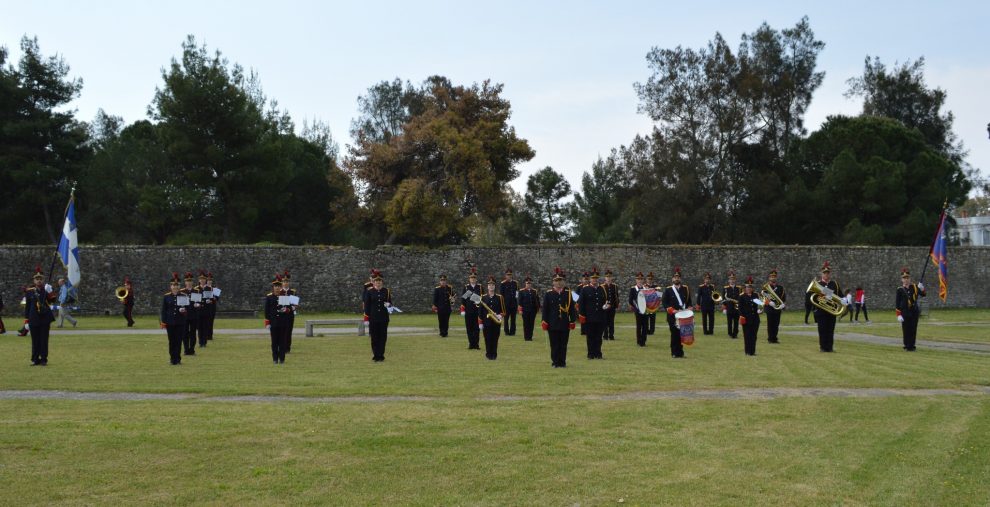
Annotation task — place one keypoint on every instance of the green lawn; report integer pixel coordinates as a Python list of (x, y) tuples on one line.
[(509, 432)]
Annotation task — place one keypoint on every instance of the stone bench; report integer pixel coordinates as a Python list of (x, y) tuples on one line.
[(310, 324)]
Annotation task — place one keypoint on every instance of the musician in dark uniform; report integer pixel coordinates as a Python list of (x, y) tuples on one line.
[(559, 314), (592, 307), (529, 304), (276, 319), (210, 302), (707, 304), (128, 302), (825, 320), (377, 304), (3, 330), (443, 294), (492, 324), (469, 311), (730, 309), (173, 320), (642, 319), (289, 291), (38, 317), (508, 289), (908, 312), (771, 308), (652, 317), (808, 307), (675, 298), (612, 297), (192, 314), (750, 308)]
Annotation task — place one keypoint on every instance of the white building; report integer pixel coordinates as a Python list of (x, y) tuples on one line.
[(973, 231)]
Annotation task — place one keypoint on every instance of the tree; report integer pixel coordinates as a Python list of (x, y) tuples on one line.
[(902, 94), (440, 151), (42, 146), (599, 214), (545, 191), (874, 178)]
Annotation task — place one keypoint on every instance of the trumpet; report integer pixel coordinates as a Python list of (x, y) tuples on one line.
[(825, 299), (122, 293), (767, 293), (716, 297)]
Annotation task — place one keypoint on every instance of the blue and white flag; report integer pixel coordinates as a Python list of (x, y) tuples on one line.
[(68, 244)]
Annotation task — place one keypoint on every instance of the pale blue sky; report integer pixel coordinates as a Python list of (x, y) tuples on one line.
[(568, 67)]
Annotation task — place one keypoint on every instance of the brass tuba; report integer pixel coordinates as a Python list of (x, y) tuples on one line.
[(826, 299), (121, 293), (767, 293)]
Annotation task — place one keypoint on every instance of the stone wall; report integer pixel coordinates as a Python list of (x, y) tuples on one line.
[(330, 278)]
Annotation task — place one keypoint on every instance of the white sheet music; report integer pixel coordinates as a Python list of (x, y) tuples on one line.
[(196, 297), (284, 301), (293, 300), (182, 300), (216, 292)]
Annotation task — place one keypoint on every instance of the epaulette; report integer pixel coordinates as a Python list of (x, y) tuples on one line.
[(270, 294), (168, 294)]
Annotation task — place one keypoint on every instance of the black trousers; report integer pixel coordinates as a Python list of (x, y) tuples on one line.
[(204, 329), (594, 332), (192, 327), (732, 320), (211, 318), (128, 314), (652, 326), (443, 320), (642, 328), (826, 330), (750, 330), (510, 318), (809, 309), (676, 348), (2, 328), (278, 343), (910, 330), (773, 325), (39, 342), (379, 335), (492, 331), (176, 337), (609, 324), (708, 321), (473, 333), (529, 320), (288, 333), (558, 346), (862, 306)]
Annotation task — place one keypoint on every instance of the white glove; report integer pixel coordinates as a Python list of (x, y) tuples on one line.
[(782, 305), (773, 305), (268, 327), (725, 312), (195, 305), (759, 311), (481, 326), (27, 327), (48, 287), (606, 306), (462, 314), (921, 286), (387, 304), (900, 318)]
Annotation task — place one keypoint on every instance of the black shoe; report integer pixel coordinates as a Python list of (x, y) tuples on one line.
[(275, 362), (190, 352), (44, 362)]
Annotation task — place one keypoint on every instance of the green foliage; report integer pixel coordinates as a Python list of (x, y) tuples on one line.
[(454, 142), (545, 189), (598, 212)]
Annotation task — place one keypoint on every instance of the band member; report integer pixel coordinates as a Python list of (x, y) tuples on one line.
[(443, 297), (907, 308), (173, 320), (206, 302), (731, 293), (558, 319), (492, 324), (276, 317), (772, 310), (469, 311), (289, 291), (592, 305), (585, 281), (677, 297), (192, 314), (509, 290), (377, 304), (652, 317), (210, 302), (38, 317), (808, 307), (750, 308), (707, 304), (128, 302), (825, 320), (612, 297), (529, 304), (642, 319), (3, 330)]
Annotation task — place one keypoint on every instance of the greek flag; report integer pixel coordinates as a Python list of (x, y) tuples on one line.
[(68, 244)]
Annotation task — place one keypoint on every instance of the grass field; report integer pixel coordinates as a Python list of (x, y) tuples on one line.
[(436, 424)]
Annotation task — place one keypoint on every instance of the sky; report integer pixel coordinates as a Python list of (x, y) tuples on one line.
[(568, 67)]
